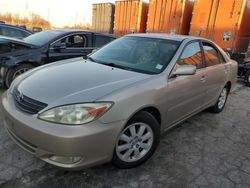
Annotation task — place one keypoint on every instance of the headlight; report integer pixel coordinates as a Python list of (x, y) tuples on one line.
[(75, 114)]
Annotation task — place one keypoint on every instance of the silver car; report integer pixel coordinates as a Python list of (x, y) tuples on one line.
[(113, 106)]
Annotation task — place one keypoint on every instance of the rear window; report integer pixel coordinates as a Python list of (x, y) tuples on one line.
[(102, 40)]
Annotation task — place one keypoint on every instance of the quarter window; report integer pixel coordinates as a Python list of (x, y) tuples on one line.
[(211, 55), (191, 55)]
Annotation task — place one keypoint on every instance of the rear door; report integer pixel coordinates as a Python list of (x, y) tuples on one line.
[(216, 72), (185, 94)]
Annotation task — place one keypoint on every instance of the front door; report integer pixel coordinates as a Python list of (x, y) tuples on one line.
[(185, 94), (71, 46)]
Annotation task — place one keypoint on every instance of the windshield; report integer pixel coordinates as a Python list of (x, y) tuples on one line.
[(140, 54), (41, 38)]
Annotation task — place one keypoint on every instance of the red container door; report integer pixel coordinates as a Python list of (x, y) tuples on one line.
[(226, 24), (199, 25)]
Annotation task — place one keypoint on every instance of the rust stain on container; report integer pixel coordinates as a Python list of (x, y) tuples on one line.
[(130, 17), (226, 22), (103, 17), (170, 16)]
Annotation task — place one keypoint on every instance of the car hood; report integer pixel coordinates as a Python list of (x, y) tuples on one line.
[(73, 82)]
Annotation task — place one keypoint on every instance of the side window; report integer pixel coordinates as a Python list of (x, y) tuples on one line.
[(10, 32), (211, 55), (191, 55), (101, 40), (72, 41)]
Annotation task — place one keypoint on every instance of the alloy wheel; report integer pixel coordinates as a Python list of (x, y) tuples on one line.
[(134, 142), (19, 72), (222, 98)]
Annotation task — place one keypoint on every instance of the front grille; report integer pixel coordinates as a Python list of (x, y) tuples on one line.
[(27, 104)]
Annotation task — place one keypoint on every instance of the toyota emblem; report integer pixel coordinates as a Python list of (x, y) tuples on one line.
[(19, 97)]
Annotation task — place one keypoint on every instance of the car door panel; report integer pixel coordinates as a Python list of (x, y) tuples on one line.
[(186, 96), (72, 48), (186, 93), (215, 81), (216, 73)]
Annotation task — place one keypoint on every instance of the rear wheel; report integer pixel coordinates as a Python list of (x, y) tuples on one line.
[(220, 104), (137, 141), (247, 78), (15, 72)]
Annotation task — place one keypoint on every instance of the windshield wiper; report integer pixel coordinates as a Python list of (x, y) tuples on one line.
[(117, 66)]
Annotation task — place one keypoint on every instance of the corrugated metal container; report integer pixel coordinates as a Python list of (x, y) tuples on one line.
[(226, 22), (103, 17), (130, 17), (170, 16)]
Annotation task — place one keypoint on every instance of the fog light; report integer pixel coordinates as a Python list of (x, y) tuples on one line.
[(65, 159)]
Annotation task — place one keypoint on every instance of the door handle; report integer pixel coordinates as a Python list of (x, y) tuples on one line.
[(225, 69)]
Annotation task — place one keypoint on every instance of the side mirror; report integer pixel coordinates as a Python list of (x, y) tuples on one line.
[(185, 70)]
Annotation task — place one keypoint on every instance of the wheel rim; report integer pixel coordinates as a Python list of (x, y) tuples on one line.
[(19, 72), (222, 98), (134, 142)]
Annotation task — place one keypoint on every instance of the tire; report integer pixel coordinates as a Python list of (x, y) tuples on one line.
[(12, 73), (141, 146), (247, 78), (220, 104)]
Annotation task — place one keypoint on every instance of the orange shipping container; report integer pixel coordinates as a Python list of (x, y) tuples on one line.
[(170, 16), (226, 22), (103, 17), (130, 17)]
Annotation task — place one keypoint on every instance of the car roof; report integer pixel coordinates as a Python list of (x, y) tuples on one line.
[(15, 27), (69, 31), (174, 37)]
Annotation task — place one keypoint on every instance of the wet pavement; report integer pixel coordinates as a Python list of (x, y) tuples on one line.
[(207, 150)]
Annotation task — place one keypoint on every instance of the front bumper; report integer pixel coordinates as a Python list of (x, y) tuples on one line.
[(94, 142)]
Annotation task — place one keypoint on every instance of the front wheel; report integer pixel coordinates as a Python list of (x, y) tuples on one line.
[(137, 141), (247, 78), (12, 73), (220, 104)]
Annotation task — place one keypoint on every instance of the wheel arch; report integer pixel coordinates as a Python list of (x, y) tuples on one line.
[(154, 111)]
